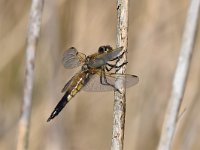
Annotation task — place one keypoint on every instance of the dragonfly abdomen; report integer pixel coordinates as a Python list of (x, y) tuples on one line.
[(75, 86), (65, 99)]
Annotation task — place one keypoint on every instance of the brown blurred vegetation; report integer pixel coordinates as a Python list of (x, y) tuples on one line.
[(155, 30)]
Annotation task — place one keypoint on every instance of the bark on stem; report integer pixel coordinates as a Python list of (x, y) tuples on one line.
[(119, 109), (180, 77), (32, 37)]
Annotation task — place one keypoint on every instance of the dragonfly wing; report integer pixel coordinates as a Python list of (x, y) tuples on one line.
[(66, 86), (112, 55), (72, 58), (102, 59), (94, 84)]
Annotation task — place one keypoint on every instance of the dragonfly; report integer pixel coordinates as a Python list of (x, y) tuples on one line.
[(95, 74)]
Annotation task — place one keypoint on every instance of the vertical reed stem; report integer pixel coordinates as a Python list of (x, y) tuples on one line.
[(119, 109), (180, 76), (32, 38)]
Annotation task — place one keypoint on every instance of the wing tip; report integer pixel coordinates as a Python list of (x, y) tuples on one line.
[(137, 79)]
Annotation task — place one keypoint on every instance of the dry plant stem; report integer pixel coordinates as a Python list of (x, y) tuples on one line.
[(32, 37), (180, 77), (119, 109)]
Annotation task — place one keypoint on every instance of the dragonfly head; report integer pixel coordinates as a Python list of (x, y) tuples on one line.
[(105, 49)]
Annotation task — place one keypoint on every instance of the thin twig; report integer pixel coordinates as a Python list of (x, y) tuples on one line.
[(180, 77), (32, 37), (119, 109)]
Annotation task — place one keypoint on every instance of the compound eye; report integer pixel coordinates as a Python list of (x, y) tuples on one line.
[(101, 49), (108, 48)]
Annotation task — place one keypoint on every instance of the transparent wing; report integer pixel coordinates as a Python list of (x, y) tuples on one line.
[(66, 86), (112, 55), (72, 58), (94, 84), (102, 59)]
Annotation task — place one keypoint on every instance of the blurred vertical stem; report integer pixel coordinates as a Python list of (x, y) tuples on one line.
[(180, 76), (32, 38), (119, 109)]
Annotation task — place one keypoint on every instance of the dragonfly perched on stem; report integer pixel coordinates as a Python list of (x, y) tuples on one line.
[(94, 76)]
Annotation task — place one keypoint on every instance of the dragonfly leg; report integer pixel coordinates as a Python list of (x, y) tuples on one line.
[(118, 67), (103, 78), (115, 66), (119, 57), (108, 69)]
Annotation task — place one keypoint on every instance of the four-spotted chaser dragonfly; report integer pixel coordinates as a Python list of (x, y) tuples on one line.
[(94, 75)]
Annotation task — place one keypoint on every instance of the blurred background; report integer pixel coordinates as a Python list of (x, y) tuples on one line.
[(155, 30)]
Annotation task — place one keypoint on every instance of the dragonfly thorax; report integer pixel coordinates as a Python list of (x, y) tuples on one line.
[(85, 67)]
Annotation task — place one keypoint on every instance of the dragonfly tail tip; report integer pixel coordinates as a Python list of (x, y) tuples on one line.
[(49, 119)]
